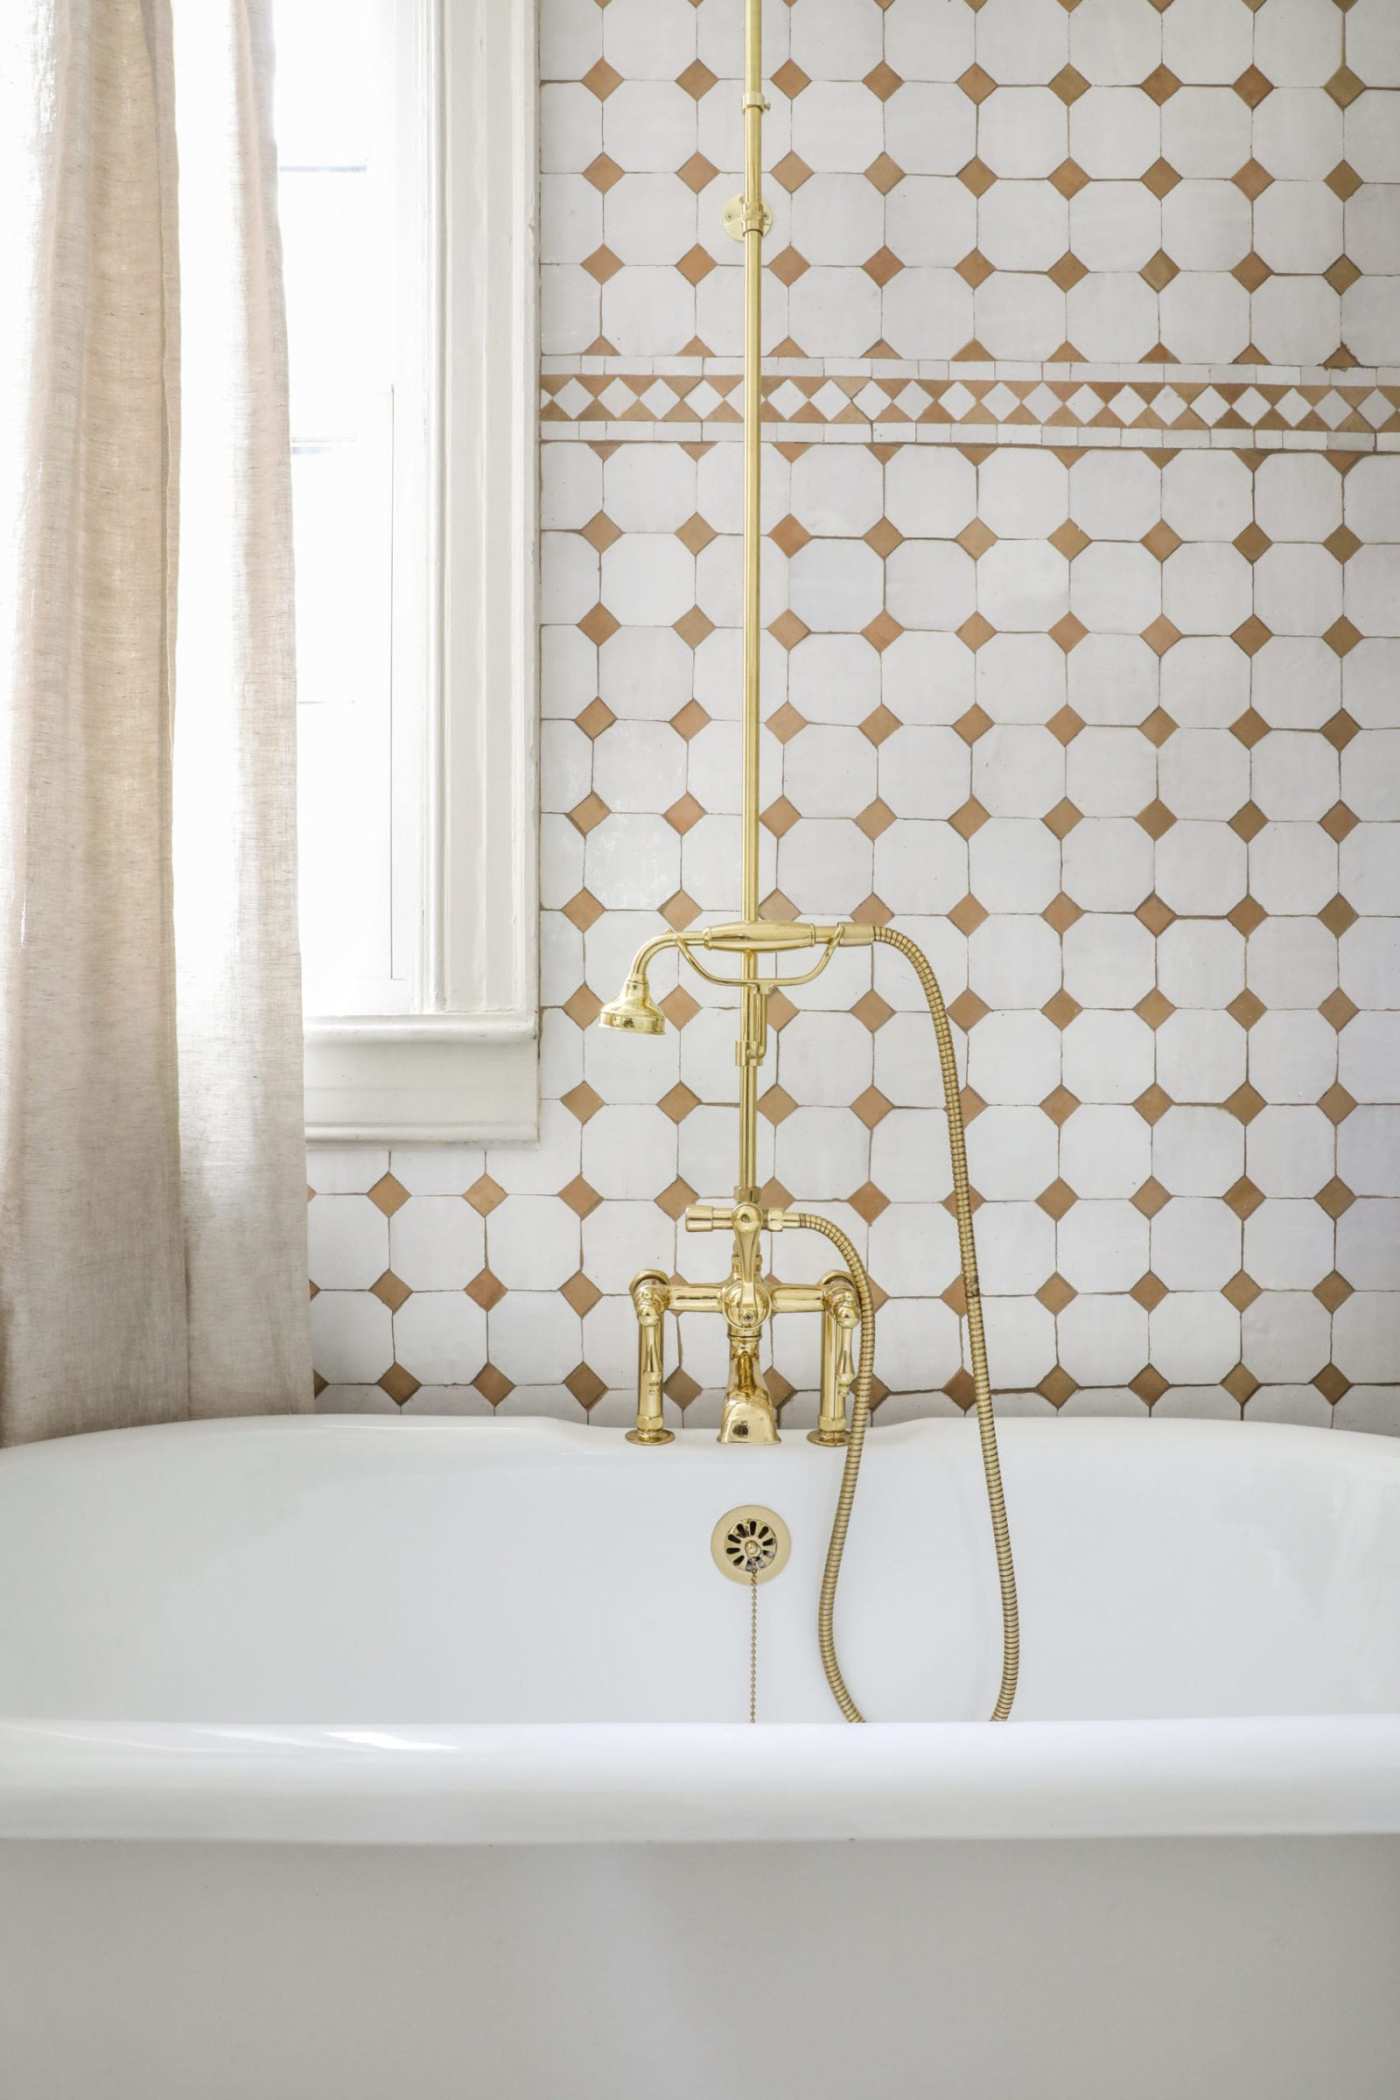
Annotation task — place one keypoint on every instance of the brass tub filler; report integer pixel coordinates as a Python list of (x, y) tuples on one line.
[(746, 1299)]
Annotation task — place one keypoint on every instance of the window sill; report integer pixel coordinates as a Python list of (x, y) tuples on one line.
[(423, 1079)]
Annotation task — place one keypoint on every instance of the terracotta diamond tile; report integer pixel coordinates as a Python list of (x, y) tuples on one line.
[(1056, 1293), (1342, 274), (1344, 87), (1150, 1198), (1333, 1198), (1342, 543), (1332, 1292), (485, 1289), (681, 1387), (785, 722), (1069, 84), (969, 818), (1156, 819), (484, 1195), (1240, 1384), (595, 718), (977, 84), (585, 1385), (1161, 635), (1069, 179), (1339, 1010), (878, 725), (696, 534), (697, 80), (1252, 86), (493, 1385), (868, 1202), (1062, 818), (776, 1105), (972, 1106), (680, 910), (967, 1010), (975, 632), (960, 1390), (1058, 1198), (870, 1010), (972, 725), (1159, 270), (582, 1006), (602, 264), (1342, 637), (788, 630), (1149, 1385), (1160, 541), (1337, 1104), (1252, 179), (582, 1101), (1057, 1386), (1340, 728), (955, 1298), (884, 173), (678, 1101), (1331, 1383), (881, 631), (1338, 916), (872, 911), (790, 80), (779, 817), (1148, 1291), (1158, 726), (601, 79), (1243, 1198), (1241, 1291), (580, 1196), (967, 915), (1245, 1103), (1247, 916), (598, 626), (1344, 182), (399, 1384), (975, 538), (1069, 539), (580, 1294), (1247, 1008), (1061, 913), (1161, 178), (1248, 821), (676, 1199), (1152, 1104), (391, 1290), (684, 814), (603, 173), (1067, 271), (690, 720), (679, 1006), (788, 265), (1154, 1007), (1251, 635), (883, 81), (388, 1195), (694, 627), (587, 815), (1252, 542), (1251, 271), (883, 538), (1067, 633), (875, 819), (872, 1107), (1160, 85), (977, 177), (697, 173), (583, 910), (1059, 1105)]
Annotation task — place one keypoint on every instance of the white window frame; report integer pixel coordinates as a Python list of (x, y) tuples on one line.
[(466, 1066)]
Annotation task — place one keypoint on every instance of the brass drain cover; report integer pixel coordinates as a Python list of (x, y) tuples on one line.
[(751, 1544)]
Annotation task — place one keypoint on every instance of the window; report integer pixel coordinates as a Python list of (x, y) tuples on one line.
[(406, 177)]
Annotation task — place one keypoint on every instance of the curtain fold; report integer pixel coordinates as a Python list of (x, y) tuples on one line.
[(152, 1211)]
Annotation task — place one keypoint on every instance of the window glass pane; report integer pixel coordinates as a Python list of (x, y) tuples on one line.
[(325, 67)]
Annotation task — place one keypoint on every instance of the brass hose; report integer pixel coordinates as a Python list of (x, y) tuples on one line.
[(981, 1382)]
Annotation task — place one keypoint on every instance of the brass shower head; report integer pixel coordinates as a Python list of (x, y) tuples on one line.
[(634, 1009)]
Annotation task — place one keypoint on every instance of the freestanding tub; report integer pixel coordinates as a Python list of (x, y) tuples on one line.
[(353, 1758)]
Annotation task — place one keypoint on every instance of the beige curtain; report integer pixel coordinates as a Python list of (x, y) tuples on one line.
[(152, 1210)]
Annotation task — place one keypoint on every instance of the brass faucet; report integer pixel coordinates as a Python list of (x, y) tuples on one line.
[(746, 1299)]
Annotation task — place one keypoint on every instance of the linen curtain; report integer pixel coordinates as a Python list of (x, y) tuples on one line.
[(152, 1209)]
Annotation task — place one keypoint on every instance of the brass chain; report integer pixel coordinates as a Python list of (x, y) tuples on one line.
[(753, 1648)]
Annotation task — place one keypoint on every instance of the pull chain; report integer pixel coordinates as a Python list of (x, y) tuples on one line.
[(753, 1649)]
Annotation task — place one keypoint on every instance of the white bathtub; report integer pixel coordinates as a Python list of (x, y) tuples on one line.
[(348, 1759)]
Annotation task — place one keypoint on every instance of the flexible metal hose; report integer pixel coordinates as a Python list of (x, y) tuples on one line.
[(981, 1382)]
